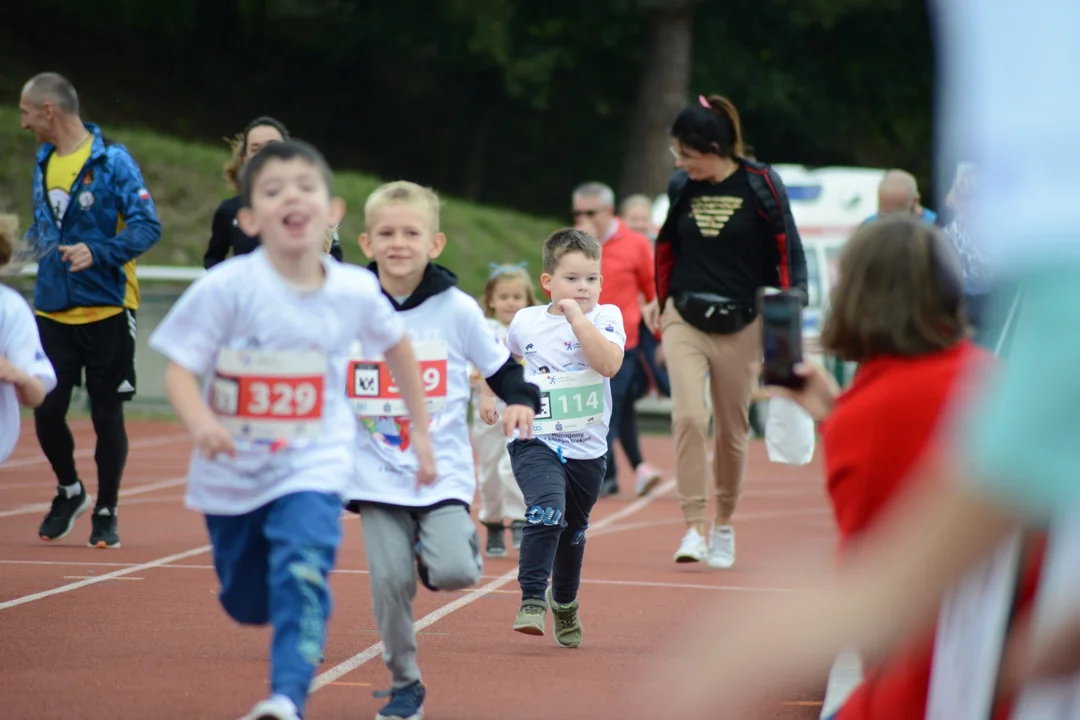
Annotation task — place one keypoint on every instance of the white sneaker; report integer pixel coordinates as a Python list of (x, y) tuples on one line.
[(646, 478), (278, 707), (722, 547), (693, 548)]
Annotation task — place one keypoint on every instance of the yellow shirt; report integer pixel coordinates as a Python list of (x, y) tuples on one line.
[(61, 173)]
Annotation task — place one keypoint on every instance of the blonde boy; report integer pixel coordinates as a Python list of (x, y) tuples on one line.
[(410, 529)]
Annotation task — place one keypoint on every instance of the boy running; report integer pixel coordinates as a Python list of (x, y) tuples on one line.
[(410, 530), (274, 434), (572, 348)]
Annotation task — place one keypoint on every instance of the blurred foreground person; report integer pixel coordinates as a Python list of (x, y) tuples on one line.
[(1012, 458)]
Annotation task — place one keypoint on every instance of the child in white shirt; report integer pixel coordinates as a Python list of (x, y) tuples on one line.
[(427, 530), (508, 290), (572, 348), (274, 433), (26, 375)]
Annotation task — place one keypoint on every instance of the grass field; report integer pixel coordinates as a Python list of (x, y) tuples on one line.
[(186, 182)]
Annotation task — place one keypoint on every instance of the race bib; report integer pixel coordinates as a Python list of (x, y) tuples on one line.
[(569, 401), (270, 396), (372, 392)]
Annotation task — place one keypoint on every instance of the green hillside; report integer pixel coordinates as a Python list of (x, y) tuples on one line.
[(187, 184)]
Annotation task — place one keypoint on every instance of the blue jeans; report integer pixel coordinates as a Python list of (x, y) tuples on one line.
[(272, 564)]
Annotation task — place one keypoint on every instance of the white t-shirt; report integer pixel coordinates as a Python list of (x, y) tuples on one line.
[(245, 304), (451, 326), (498, 330), (548, 344), (20, 345)]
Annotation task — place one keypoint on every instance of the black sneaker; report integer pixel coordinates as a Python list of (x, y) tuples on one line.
[(62, 515), (104, 534), (496, 543), (517, 527)]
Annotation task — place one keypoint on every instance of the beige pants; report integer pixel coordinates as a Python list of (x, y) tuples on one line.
[(500, 496), (691, 355)]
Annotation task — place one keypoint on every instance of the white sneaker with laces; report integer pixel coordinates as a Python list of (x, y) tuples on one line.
[(693, 547), (278, 707), (721, 547)]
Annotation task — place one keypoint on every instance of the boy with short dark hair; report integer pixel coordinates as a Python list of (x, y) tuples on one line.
[(572, 348), (274, 434)]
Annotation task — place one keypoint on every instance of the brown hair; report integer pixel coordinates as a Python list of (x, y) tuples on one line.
[(9, 232), (238, 148), (565, 241), (900, 292), (710, 125), (507, 272)]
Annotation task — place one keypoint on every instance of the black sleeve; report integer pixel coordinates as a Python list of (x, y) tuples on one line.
[(220, 236), (796, 254), (510, 385), (335, 248)]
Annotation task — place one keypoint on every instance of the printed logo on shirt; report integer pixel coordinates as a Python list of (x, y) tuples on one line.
[(86, 199), (572, 345), (530, 349), (711, 213), (39, 356), (143, 194), (610, 328)]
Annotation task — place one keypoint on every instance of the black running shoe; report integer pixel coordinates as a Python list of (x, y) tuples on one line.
[(62, 515), (104, 534)]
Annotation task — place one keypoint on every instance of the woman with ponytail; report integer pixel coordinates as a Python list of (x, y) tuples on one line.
[(728, 232)]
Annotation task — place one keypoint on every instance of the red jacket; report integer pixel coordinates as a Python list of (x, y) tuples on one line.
[(882, 427), (627, 266)]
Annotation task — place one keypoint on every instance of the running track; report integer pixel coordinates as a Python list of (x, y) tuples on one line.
[(137, 632)]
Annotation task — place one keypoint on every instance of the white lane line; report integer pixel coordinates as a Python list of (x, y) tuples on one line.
[(346, 667), (124, 492), (741, 517), (140, 444), (102, 578), (87, 577)]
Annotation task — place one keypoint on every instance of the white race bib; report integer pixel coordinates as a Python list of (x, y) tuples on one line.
[(267, 396), (569, 401), (372, 392)]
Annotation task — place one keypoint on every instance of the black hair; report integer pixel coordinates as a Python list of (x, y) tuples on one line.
[(263, 120), (714, 129), (285, 150)]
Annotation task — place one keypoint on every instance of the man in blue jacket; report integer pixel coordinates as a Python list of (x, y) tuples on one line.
[(92, 217)]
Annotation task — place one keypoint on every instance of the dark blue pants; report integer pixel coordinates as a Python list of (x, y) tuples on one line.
[(272, 564), (621, 386), (559, 495), (647, 350)]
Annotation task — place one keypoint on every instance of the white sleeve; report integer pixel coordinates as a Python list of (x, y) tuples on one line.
[(195, 328), (381, 329), (20, 343), (609, 322), (512, 343), (482, 346)]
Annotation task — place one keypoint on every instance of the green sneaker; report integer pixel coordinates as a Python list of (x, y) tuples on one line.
[(531, 617), (568, 630)]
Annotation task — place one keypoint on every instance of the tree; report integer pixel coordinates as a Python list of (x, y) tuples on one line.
[(665, 82)]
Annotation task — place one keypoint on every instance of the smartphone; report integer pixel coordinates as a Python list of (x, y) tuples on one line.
[(781, 316)]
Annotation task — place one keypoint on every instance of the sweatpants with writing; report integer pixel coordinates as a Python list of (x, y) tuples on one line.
[(272, 564), (447, 544), (559, 495)]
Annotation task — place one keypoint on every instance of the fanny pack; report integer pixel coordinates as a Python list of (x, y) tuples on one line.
[(714, 313)]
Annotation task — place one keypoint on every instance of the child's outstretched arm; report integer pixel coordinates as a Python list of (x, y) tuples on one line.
[(184, 394), (522, 398), (401, 361), (29, 390)]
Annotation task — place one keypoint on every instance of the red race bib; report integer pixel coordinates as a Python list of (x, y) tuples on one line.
[(373, 393), (270, 396)]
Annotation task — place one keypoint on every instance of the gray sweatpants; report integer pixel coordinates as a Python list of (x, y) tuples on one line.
[(450, 549)]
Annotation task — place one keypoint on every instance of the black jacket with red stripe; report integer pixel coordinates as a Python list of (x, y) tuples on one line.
[(787, 262)]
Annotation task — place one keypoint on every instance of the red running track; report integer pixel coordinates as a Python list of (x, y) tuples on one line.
[(137, 633)]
